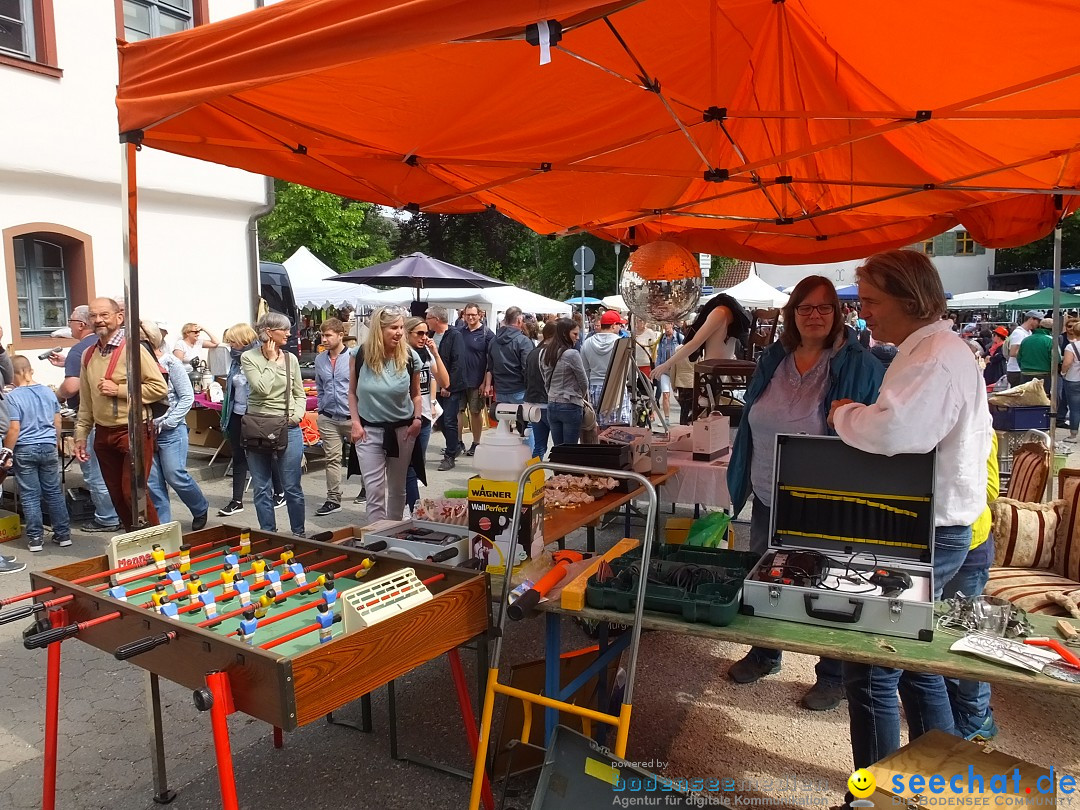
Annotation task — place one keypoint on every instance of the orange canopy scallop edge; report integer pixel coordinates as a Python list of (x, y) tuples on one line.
[(787, 132)]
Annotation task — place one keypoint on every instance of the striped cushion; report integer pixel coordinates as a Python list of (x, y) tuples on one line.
[(1024, 533), (1067, 543), (1030, 468), (1027, 588)]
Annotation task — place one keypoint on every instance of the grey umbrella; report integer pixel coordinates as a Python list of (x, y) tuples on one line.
[(419, 270)]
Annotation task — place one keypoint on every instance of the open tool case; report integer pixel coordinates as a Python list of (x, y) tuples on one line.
[(839, 515)]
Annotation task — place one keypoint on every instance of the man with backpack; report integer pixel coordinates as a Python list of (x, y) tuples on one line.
[(103, 406)]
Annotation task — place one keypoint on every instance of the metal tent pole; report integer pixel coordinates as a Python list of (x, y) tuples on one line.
[(131, 142), (1054, 382)]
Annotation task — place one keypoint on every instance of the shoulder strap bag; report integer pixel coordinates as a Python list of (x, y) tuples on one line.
[(269, 433)]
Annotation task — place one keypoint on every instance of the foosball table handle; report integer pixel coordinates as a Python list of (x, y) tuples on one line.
[(444, 555), (20, 613), (326, 536), (142, 645), (50, 636)]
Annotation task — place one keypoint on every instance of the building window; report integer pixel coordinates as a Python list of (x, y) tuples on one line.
[(40, 285), (927, 247), (17, 28), (50, 270), (965, 245), (144, 19)]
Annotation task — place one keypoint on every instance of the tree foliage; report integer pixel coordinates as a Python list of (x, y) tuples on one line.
[(344, 234), (1040, 255)]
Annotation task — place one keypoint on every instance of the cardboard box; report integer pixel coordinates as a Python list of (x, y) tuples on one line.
[(10, 526), (491, 505), (1005, 780), (711, 436)]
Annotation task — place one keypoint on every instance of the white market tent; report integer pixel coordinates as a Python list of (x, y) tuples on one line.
[(495, 300), (755, 293), (311, 289), (615, 302), (982, 299)]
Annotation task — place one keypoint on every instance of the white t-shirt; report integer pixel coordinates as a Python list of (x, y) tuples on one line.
[(644, 346), (190, 352), (1073, 374), (1015, 339)]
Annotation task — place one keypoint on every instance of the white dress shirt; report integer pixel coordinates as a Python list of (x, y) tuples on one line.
[(933, 396)]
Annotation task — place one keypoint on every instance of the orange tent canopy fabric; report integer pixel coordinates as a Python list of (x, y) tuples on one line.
[(805, 130)]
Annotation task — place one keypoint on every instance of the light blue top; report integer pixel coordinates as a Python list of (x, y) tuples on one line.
[(33, 407), (332, 384), (181, 395), (386, 397)]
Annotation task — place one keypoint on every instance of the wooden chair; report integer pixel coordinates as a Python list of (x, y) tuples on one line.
[(763, 325)]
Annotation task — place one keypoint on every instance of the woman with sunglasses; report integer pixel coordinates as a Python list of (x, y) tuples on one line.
[(385, 407), (432, 368), (815, 361)]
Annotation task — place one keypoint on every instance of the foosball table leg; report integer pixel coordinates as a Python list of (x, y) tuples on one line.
[(57, 618), (162, 794), (365, 717), (216, 697), (279, 740)]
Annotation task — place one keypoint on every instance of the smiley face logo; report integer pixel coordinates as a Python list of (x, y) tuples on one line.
[(861, 783)]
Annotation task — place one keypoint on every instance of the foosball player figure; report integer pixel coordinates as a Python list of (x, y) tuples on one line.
[(177, 581), (241, 587), (159, 597), (245, 542), (329, 593), (193, 584), (265, 601), (258, 568), (206, 597), (299, 577), (286, 556), (185, 559), (326, 619), (118, 592), (227, 573), (248, 624), (273, 577), (157, 553), (169, 610), (232, 559)]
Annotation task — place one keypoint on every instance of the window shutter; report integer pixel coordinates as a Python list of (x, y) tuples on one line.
[(939, 244), (948, 242), (979, 249)]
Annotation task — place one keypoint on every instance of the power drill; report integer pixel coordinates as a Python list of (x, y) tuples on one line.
[(892, 583)]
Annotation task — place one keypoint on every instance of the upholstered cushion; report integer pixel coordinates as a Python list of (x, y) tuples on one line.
[(1069, 601), (1027, 588), (1024, 533), (1030, 467), (1067, 544)]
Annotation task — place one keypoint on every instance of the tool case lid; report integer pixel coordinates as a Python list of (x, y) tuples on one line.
[(836, 499)]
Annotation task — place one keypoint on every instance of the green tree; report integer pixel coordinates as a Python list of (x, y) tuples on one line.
[(1040, 255), (345, 234)]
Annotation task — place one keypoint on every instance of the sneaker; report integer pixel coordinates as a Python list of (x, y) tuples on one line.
[(985, 732), (35, 544), (822, 697), (460, 449), (11, 567), (63, 542), (472, 450), (327, 508), (750, 669), (447, 463), (94, 526), (279, 501), (198, 522), (7, 558), (231, 508), (361, 497)]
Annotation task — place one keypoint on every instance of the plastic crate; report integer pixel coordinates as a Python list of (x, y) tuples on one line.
[(1021, 417)]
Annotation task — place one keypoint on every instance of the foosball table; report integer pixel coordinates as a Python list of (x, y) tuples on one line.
[(283, 629)]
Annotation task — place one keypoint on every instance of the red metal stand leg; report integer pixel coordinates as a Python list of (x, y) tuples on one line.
[(279, 741), (57, 618), (220, 709), (457, 672)]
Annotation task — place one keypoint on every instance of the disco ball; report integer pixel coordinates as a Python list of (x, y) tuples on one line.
[(661, 281)]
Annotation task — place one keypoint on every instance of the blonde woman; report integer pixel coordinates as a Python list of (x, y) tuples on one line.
[(191, 340), (385, 407)]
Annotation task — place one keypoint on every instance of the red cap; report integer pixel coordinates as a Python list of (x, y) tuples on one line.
[(1001, 330), (610, 317)]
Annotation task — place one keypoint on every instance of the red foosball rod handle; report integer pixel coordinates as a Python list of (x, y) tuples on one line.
[(38, 640), (142, 645), (30, 610)]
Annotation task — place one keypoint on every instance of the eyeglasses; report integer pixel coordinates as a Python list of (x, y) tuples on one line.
[(821, 309), (421, 332), (77, 320)]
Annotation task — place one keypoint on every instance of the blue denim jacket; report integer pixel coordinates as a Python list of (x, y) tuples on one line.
[(854, 374), (332, 384)]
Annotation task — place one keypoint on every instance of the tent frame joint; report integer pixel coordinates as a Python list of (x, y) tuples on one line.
[(714, 113), (299, 149), (134, 136), (716, 175), (923, 115)]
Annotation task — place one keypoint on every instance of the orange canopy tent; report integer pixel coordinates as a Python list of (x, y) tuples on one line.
[(758, 129)]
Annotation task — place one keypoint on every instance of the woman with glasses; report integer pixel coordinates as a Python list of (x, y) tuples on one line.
[(187, 348), (274, 387), (815, 361), (432, 368), (385, 407)]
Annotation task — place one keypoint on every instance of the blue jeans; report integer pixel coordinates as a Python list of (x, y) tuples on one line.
[(970, 699), (1072, 396), (288, 463), (412, 483), (451, 406), (871, 690), (104, 511), (540, 432), (564, 419), (829, 671), (37, 472), (170, 467)]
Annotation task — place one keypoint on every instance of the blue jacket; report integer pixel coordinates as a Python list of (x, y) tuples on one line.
[(854, 374)]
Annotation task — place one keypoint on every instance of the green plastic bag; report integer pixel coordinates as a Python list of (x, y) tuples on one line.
[(710, 531)]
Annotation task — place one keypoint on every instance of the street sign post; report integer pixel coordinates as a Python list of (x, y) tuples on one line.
[(584, 259)]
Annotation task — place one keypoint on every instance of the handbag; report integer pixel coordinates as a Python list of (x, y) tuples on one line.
[(269, 433), (588, 414)]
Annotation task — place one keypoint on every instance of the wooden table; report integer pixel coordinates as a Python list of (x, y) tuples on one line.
[(558, 523)]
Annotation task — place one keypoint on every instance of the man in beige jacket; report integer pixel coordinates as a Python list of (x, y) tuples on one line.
[(103, 405)]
